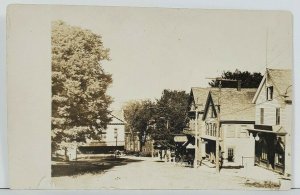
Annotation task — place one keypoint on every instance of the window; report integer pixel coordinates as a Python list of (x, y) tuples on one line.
[(218, 107), (207, 129), (215, 129), (230, 155), (264, 152), (270, 93), (262, 115), (212, 112), (279, 159), (277, 116)]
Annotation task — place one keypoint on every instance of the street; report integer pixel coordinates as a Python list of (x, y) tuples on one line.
[(131, 172)]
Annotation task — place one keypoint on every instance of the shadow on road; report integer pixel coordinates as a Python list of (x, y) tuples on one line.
[(84, 166)]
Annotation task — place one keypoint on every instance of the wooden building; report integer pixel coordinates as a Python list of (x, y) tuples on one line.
[(236, 116), (197, 100), (273, 121)]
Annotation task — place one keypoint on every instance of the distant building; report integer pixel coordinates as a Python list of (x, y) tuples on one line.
[(148, 147), (273, 121), (114, 134), (112, 138), (132, 141)]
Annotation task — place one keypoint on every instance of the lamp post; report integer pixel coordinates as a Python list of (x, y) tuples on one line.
[(116, 137)]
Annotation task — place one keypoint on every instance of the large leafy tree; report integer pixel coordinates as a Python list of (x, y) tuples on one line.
[(170, 116), (160, 119), (248, 79), (79, 83), (138, 114)]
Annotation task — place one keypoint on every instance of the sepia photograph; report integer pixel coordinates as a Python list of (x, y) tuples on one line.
[(172, 99), (165, 98)]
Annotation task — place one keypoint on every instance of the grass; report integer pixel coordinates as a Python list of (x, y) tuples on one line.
[(87, 166), (265, 184)]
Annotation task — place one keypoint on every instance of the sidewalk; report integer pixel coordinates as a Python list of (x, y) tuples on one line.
[(252, 175)]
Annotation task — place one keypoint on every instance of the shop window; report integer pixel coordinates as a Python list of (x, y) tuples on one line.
[(264, 152), (279, 159), (230, 155)]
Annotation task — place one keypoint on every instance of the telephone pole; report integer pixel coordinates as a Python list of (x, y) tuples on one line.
[(196, 138)]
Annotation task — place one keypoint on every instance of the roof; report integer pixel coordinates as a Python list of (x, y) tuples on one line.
[(199, 95), (282, 80), (235, 105), (117, 116)]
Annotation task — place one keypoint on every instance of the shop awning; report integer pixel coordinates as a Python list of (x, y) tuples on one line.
[(276, 130)]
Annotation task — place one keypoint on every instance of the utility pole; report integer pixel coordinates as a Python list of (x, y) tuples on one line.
[(218, 130), (196, 138)]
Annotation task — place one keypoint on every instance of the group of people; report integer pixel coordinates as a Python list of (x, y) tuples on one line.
[(165, 154)]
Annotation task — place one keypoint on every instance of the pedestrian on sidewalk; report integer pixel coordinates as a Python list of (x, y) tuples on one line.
[(160, 154)]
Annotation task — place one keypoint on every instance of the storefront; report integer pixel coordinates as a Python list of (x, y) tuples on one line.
[(269, 149)]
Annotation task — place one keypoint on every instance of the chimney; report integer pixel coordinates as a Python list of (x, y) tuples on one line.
[(239, 85)]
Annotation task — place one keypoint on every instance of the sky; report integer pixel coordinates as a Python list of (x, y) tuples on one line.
[(152, 49)]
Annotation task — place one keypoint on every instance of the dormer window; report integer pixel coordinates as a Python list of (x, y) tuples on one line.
[(270, 93)]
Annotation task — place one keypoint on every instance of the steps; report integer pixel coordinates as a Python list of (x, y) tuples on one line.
[(208, 164)]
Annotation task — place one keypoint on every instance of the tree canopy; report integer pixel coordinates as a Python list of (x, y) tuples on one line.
[(137, 114), (79, 83), (160, 119), (248, 79)]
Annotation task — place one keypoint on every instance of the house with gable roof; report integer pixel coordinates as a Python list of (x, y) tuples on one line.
[(197, 99), (236, 115), (273, 121)]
